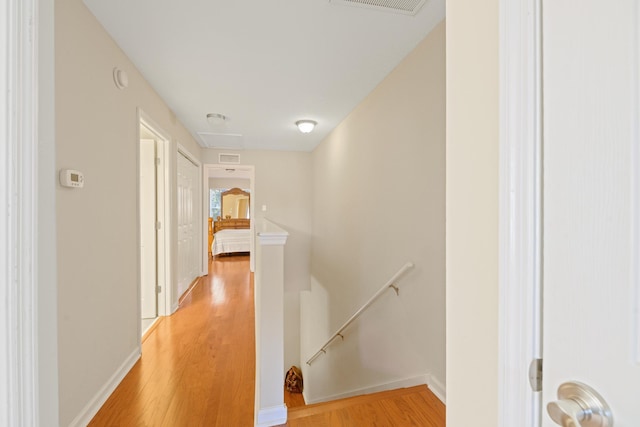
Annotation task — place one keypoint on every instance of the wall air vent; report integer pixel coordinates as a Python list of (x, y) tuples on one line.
[(406, 7), (229, 159)]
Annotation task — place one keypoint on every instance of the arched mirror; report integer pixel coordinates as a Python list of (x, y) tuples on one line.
[(234, 204)]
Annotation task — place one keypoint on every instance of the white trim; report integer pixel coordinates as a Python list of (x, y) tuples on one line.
[(438, 388), (206, 210), (150, 326), (269, 234), (182, 150), (19, 212), (520, 211), (167, 223), (426, 379), (163, 214), (252, 225), (635, 195), (7, 247), (272, 238), (273, 416), (94, 405), (174, 308)]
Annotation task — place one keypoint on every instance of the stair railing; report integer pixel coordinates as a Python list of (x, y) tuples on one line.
[(390, 284)]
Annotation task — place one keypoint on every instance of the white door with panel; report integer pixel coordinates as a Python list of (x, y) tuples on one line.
[(591, 211), (148, 232), (188, 239)]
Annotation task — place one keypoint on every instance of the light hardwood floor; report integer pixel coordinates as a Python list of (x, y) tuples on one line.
[(413, 406), (198, 365), (198, 369)]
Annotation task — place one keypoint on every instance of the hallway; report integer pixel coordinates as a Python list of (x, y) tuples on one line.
[(198, 365)]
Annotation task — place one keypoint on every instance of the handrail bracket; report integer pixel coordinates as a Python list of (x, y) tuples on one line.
[(384, 288)]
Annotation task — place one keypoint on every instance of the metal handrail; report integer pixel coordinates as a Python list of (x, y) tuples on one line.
[(338, 333)]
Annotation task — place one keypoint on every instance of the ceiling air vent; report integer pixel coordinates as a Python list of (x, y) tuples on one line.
[(230, 141), (406, 7), (229, 159)]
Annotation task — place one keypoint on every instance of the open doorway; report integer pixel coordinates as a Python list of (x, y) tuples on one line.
[(153, 212), (221, 177)]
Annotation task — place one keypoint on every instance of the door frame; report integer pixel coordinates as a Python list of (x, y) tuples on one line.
[(163, 215), (251, 171), (28, 323), (520, 210), (635, 207)]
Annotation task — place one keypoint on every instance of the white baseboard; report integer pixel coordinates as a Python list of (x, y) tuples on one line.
[(437, 388), (94, 405), (273, 416), (407, 382)]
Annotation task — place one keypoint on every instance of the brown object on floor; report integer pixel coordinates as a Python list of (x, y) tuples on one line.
[(293, 380)]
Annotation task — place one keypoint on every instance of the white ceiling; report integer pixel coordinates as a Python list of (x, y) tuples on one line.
[(264, 64)]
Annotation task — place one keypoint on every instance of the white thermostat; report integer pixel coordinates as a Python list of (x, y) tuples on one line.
[(71, 178)]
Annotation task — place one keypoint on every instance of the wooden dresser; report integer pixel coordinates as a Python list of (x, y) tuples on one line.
[(210, 234)]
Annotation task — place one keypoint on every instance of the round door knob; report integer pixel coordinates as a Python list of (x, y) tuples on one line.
[(579, 405), (566, 413)]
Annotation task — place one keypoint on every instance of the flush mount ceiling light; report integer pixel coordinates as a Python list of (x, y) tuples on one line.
[(306, 126), (216, 119)]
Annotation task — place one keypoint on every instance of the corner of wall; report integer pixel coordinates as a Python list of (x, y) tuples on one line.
[(93, 406), (437, 387)]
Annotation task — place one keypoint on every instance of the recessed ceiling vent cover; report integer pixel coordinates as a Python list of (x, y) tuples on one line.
[(221, 140), (406, 7), (229, 159)]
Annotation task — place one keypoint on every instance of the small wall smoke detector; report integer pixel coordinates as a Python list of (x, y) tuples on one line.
[(120, 78)]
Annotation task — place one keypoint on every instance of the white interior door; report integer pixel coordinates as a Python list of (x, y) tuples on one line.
[(148, 241), (188, 241), (591, 195)]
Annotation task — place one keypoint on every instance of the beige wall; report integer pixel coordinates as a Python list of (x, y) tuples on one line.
[(227, 183), (283, 184), (390, 148), (97, 226), (472, 213)]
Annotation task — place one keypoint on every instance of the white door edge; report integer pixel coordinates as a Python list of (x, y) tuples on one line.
[(148, 222), (635, 213), (520, 211), (203, 261), (163, 215), (19, 329)]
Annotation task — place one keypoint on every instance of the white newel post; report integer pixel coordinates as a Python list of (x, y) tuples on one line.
[(269, 302)]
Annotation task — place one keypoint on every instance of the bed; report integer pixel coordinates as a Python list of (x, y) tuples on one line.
[(231, 236)]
